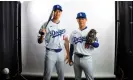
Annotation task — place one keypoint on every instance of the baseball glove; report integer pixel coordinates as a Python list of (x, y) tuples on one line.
[(90, 38)]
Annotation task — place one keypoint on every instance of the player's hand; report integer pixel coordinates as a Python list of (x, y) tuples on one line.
[(87, 45), (70, 63), (66, 59), (43, 31)]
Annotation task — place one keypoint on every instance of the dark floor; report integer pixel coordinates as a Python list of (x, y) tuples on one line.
[(55, 78)]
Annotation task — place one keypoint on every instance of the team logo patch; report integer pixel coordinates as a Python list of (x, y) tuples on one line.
[(57, 33), (80, 14), (79, 39)]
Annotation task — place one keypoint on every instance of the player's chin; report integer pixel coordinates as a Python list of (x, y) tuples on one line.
[(57, 17), (81, 24)]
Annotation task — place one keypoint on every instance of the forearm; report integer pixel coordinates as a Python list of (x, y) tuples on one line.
[(71, 51), (67, 46)]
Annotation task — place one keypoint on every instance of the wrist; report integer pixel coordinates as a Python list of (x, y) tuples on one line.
[(95, 44), (42, 36)]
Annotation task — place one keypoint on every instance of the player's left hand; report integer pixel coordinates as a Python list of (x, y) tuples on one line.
[(87, 45), (66, 59), (70, 63)]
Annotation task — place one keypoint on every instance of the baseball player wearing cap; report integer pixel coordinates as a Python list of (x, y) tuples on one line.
[(56, 42), (82, 55)]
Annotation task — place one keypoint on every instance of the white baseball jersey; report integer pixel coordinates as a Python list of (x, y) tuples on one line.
[(78, 38), (55, 35)]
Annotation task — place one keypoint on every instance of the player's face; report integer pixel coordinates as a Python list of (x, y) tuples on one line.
[(82, 21), (57, 14)]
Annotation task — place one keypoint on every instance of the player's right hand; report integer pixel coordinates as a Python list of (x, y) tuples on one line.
[(43, 31)]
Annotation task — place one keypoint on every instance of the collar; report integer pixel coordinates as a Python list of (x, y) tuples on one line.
[(84, 28), (55, 23)]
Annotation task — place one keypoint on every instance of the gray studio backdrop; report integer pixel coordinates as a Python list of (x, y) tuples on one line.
[(101, 16)]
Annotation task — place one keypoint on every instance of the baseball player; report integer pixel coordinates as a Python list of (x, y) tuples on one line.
[(82, 55), (56, 44)]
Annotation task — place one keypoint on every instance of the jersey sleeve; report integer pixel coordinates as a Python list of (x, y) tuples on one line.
[(42, 27), (65, 36), (71, 38), (71, 51)]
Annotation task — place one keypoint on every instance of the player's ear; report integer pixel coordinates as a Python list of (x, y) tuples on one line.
[(86, 19), (53, 13), (77, 20)]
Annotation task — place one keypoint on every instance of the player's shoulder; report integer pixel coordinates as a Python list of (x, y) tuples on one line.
[(61, 25), (47, 24), (44, 23), (74, 31)]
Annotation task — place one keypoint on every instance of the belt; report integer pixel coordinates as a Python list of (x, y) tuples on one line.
[(81, 55), (56, 50)]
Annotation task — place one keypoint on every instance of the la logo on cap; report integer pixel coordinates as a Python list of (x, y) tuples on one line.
[(57, 6), (80, 14)]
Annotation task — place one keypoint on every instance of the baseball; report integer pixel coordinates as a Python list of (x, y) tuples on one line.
[(6, 71)]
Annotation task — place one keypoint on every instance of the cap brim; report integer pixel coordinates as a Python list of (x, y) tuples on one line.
[(80, 17), (58, 9)]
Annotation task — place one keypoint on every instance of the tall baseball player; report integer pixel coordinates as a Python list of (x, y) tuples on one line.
[(56, 42), (82, 55)]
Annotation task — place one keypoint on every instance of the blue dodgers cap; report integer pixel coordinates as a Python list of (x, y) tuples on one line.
[(57, 7), (81, 15)]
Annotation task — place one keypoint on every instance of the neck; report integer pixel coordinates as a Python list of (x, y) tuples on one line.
[(55, 20), (82, 27)]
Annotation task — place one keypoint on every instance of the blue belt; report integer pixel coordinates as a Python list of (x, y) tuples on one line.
[(56, 50)]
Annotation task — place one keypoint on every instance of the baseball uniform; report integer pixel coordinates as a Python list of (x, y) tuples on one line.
[(82, 55), (54, 44)]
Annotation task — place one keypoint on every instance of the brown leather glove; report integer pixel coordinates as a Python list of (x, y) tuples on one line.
[(90, 38)]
